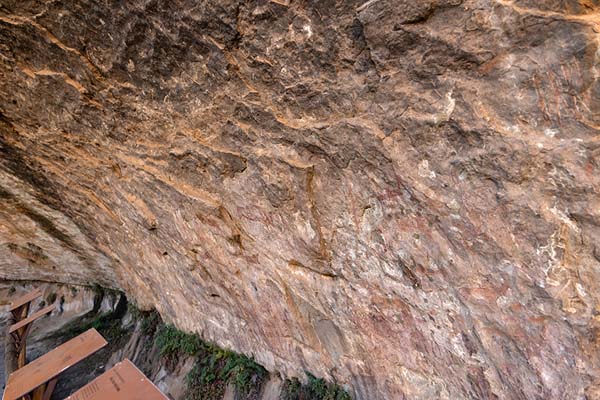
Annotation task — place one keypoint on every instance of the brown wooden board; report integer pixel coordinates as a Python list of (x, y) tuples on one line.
[(34, 294), (48, 366), (31, 318), (122, 382)]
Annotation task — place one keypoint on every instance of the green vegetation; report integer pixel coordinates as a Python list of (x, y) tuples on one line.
[(107, 324), (150, 322), (314, 389), (173, 342), (135, 312), (291, 389), (215, 368)]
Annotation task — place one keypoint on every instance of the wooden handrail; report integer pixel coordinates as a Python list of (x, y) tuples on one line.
[(40, 375), (20, 306)]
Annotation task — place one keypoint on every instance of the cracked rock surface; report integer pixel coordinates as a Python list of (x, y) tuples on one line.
[(402, 196)]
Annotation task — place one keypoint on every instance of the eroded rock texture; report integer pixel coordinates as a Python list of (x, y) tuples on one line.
[(401, 195)]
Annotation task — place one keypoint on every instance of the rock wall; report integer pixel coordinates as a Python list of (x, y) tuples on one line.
[(402, 196)]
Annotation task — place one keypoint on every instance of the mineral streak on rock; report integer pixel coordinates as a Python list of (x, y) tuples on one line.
[(402, 196)]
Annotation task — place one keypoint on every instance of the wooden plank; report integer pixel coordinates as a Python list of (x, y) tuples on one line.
[(26, 298), (48, 366), (31, 318), (122, 382)]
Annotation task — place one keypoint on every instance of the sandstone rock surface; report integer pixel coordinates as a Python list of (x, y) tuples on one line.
[(402, 196)]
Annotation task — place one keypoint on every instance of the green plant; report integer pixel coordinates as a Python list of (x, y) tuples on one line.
[(203, 381), (319, 389), (172, 342), (215, 368), (135, 312), (292, 389), (244, 372), (150, 322), (314, 389), (107, 324)]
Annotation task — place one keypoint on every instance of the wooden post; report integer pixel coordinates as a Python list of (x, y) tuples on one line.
[(22, 354), (19, 338), (11, 353), (24, 311), (19, 331), (44, 392), (20, 306), (38, 393), (21, 312), (49, 389)]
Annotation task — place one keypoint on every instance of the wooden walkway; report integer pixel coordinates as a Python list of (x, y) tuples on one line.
[(122, 382), (42, 372), (37, 380)]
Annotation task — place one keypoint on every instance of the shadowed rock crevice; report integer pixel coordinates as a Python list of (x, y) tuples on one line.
[(44, 223), (15, 160)]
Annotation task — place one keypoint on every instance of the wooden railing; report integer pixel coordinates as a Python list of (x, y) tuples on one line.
[(11, 356), (37, 380)]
